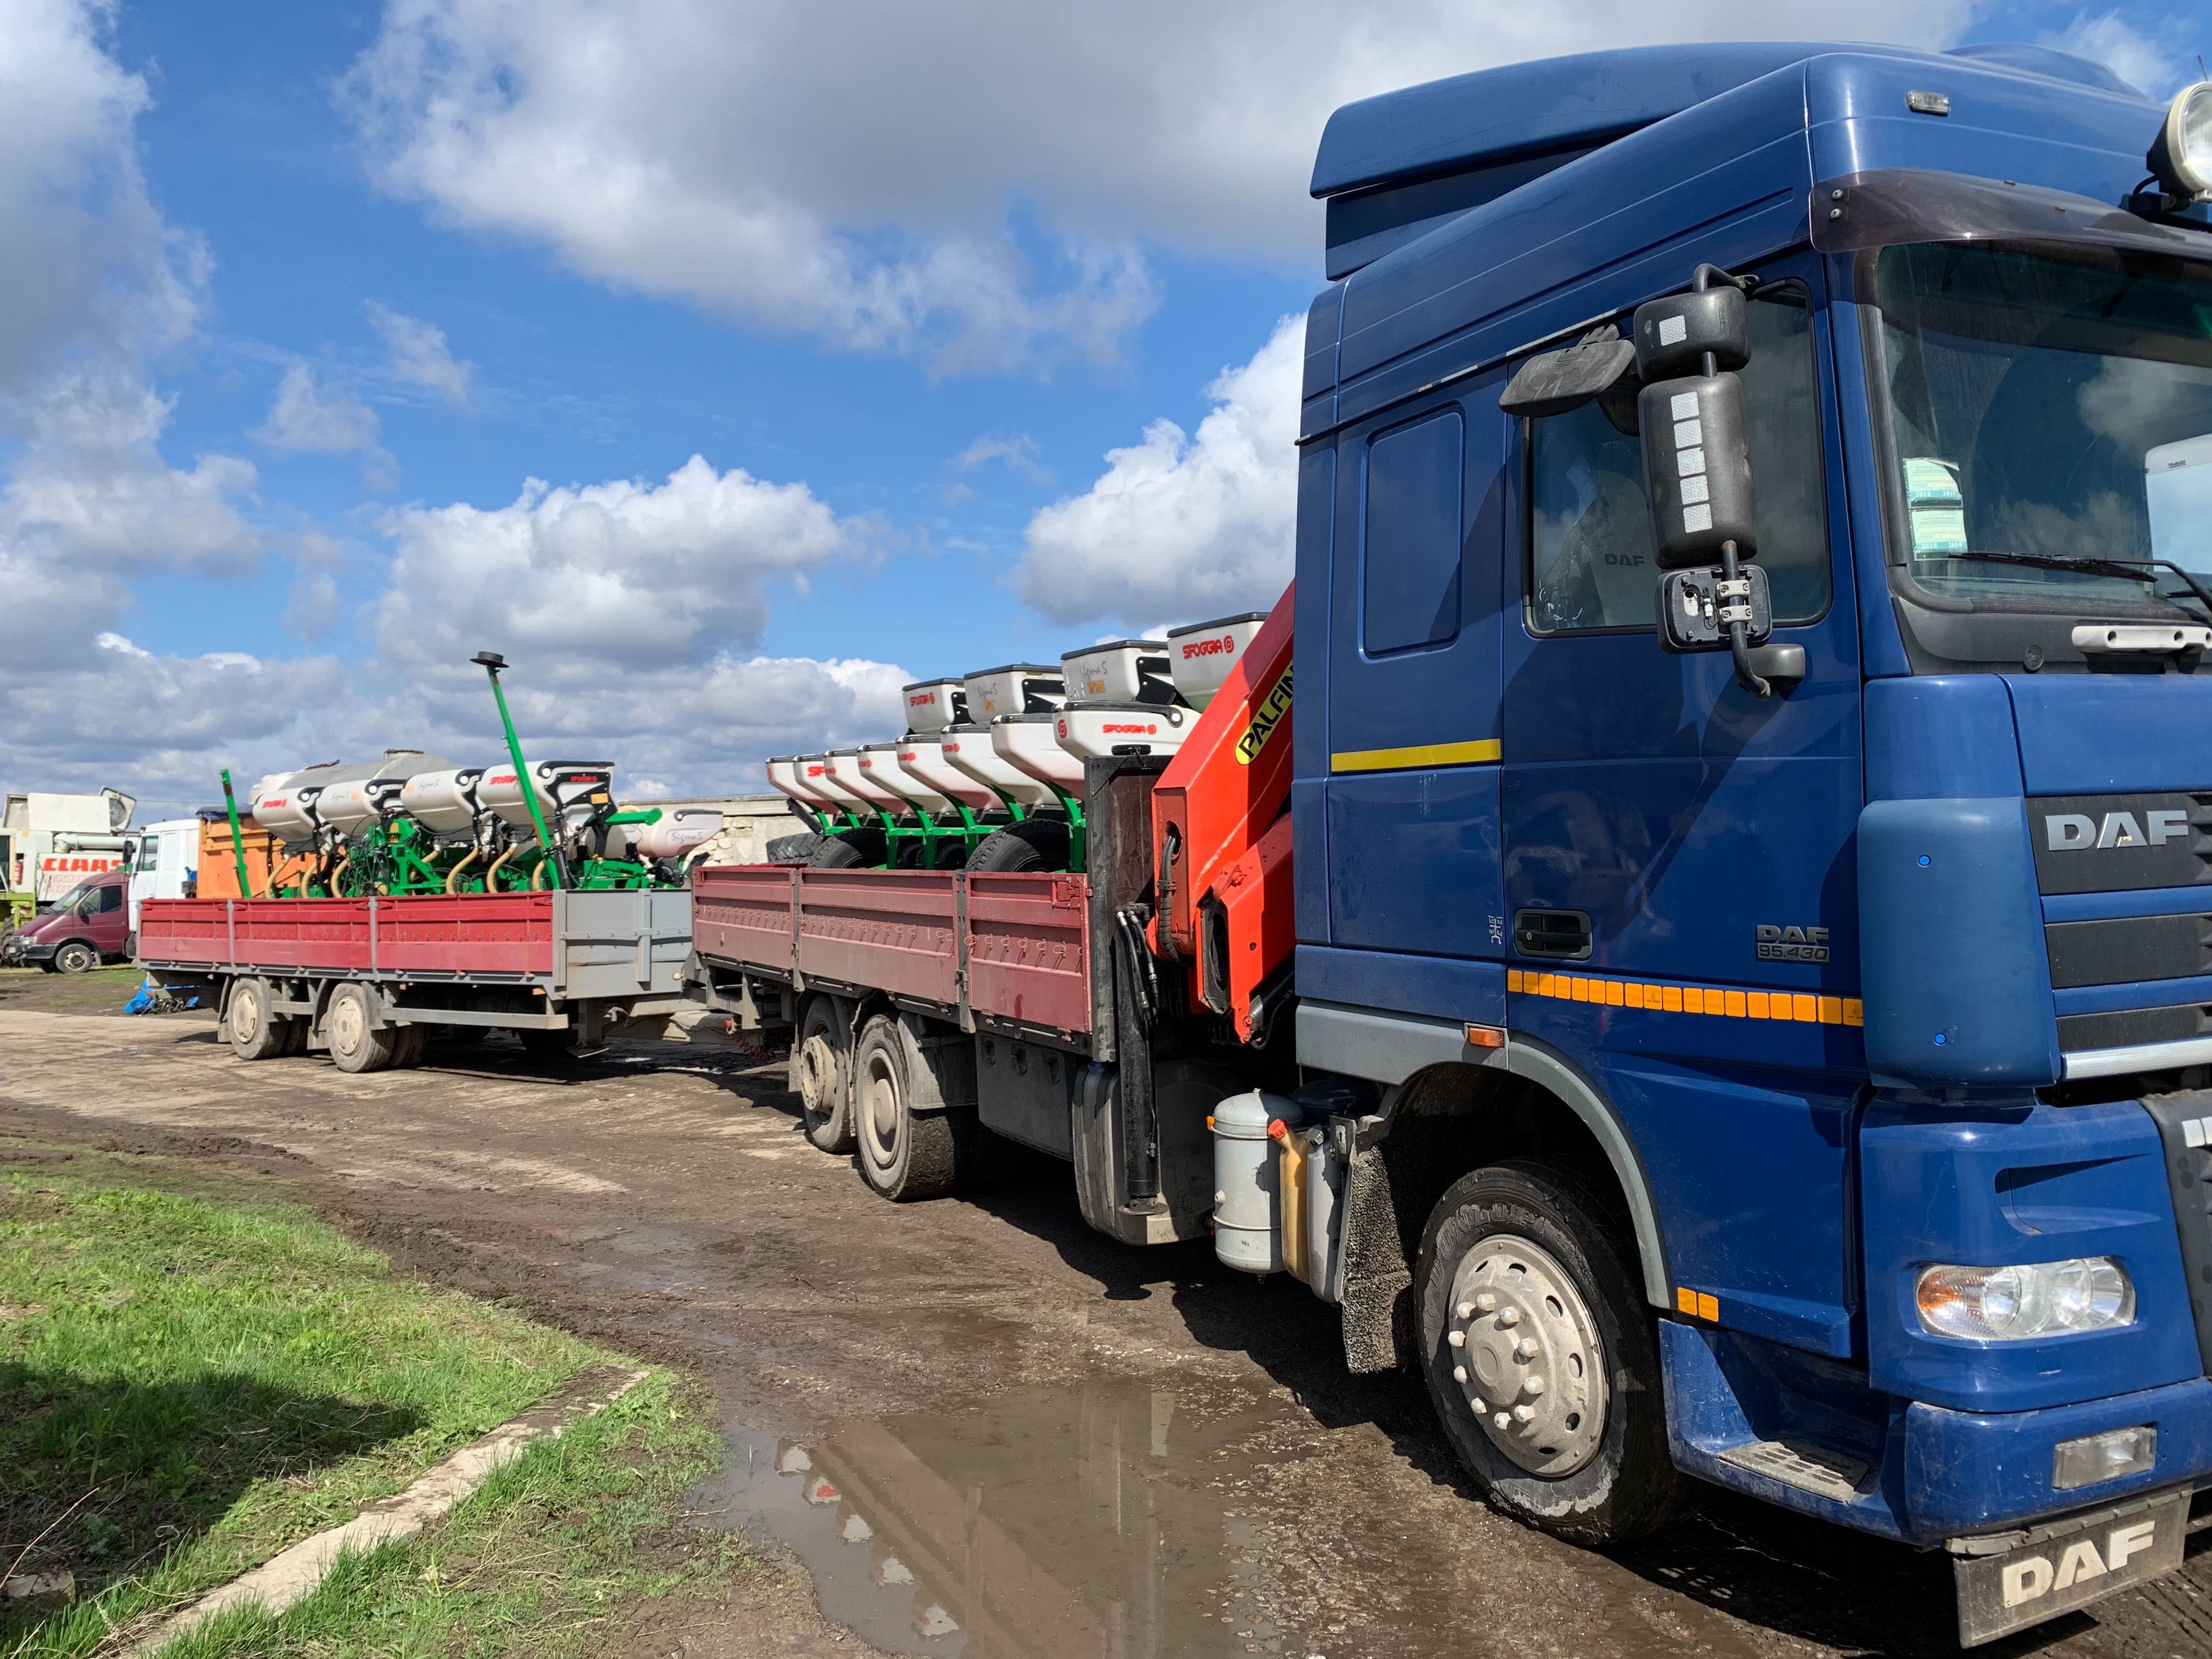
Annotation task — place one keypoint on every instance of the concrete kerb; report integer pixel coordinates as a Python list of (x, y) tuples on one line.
[(288, 1578)]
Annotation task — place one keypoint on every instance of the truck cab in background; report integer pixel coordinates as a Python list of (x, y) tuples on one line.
[(1856, 1021), (164, 863)]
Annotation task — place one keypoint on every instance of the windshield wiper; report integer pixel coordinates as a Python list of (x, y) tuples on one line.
[(2138, 570)]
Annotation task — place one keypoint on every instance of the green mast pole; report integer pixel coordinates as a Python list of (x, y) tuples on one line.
[(237, 836), (492, 662)]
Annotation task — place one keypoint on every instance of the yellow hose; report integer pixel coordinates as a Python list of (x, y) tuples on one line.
[(454, 875), (491, 875), (345, 859)]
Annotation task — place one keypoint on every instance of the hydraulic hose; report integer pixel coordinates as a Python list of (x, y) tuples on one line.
[(491, 875), (454, 875)]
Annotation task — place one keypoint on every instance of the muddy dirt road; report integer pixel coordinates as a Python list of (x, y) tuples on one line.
[(984, 1430)]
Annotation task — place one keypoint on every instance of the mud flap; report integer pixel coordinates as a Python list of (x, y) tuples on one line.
[(2009, 1582)]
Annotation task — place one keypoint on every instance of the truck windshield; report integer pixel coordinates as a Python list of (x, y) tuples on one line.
[(2052, 405)]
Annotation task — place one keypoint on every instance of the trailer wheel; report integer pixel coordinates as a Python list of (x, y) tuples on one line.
[(1541, 1357), (911, 1145), (1032, 844), (414, 1042), (356, 1045), (75, 958), (852, 849), (821, 1073)]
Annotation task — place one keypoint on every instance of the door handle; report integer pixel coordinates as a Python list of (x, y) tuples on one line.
[(1564, 935)]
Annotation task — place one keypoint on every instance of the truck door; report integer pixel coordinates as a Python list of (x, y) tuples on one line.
[(1414, 902), (1678, 862)]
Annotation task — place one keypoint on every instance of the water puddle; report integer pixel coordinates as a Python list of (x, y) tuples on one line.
[(1092, 1523)]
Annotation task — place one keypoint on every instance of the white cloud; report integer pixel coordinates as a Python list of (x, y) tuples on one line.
[(317, 420), (613, 576), (856, 170), (1180, 527), (2157, 56), (419, 355), (1018, 454)]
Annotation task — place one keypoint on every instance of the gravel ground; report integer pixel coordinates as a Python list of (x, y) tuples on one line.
[(974, 1426)]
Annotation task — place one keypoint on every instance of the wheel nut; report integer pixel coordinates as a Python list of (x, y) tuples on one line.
[(1525, 1350), (1532, 1386), (1458, 1375), (1465, 1310), (1476, 1401), (1524, 1413), (1457, 1338), (1486, 1303), (1508, 1317), (1503, 1420)]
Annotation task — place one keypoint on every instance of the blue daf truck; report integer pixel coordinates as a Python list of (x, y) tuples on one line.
[(1753, 791)]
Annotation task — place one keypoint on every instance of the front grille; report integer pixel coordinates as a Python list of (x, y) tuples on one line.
[(2123, 950), (2184, 1124), (2121, 843), (2131, 1027)]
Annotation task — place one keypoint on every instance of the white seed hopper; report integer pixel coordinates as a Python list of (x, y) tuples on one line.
[(932, 705), (921, 758), (845, 772), (1201, 656), (289, 805), (1119, 670), (1090, 729), (1027, 741), (445, 802), (970, 748), (814, 776), (1017, 688), (879, 764), (568, 790), (783, 777), (680, 832)]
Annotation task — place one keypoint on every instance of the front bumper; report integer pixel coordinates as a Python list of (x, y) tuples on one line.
[(30, 954)]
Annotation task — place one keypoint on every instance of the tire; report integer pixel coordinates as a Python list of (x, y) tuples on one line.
[(854, 849), (912, 1145), (414, 1042), (821, 1073), (1032, 844), (254, 1032), (793, 849), (75, 958), (1503, 1232), (355, 1045)]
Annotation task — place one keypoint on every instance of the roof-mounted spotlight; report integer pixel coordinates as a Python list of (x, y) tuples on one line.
[(2180, 157)]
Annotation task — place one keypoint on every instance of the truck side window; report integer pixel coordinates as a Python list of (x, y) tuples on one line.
[(1589, 531), (1409, 577)]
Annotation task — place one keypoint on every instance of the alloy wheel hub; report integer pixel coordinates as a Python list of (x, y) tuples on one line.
[(1525, 1351)]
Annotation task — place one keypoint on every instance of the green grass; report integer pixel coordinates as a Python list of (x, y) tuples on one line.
[(195, 1373)]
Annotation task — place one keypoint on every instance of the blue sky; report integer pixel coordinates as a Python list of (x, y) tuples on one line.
[(308, 293)]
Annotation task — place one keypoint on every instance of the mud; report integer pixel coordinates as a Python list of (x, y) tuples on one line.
[(979, 1428)]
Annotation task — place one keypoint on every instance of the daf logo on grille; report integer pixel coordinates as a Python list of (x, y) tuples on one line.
[(2077, 832)]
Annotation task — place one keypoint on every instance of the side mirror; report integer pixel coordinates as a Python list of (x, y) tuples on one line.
[(1697, 470), (1557, 382)]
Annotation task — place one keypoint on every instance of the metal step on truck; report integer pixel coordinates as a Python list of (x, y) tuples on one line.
[(1714, 976)]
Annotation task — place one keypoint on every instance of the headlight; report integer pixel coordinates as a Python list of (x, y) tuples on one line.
[(2181, 156), (2041, 1299)]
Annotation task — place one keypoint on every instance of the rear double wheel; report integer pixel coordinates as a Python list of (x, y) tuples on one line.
[(821, 1073), (913, 1142), (357, 1042), (1541, 1357)]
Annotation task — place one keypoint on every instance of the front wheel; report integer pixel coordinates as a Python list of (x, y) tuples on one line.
[(75, 958), (1542, 1359)]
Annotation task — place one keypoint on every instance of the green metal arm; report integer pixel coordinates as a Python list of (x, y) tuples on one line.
[(492, 662), (237, 836)]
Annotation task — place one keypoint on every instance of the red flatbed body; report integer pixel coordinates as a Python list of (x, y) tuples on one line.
[(1005, 949), (502, 935)]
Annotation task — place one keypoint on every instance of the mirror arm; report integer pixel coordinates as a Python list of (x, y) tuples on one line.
[(1738, 611)]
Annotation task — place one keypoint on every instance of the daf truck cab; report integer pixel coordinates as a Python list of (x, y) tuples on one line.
[(1753, 800)]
